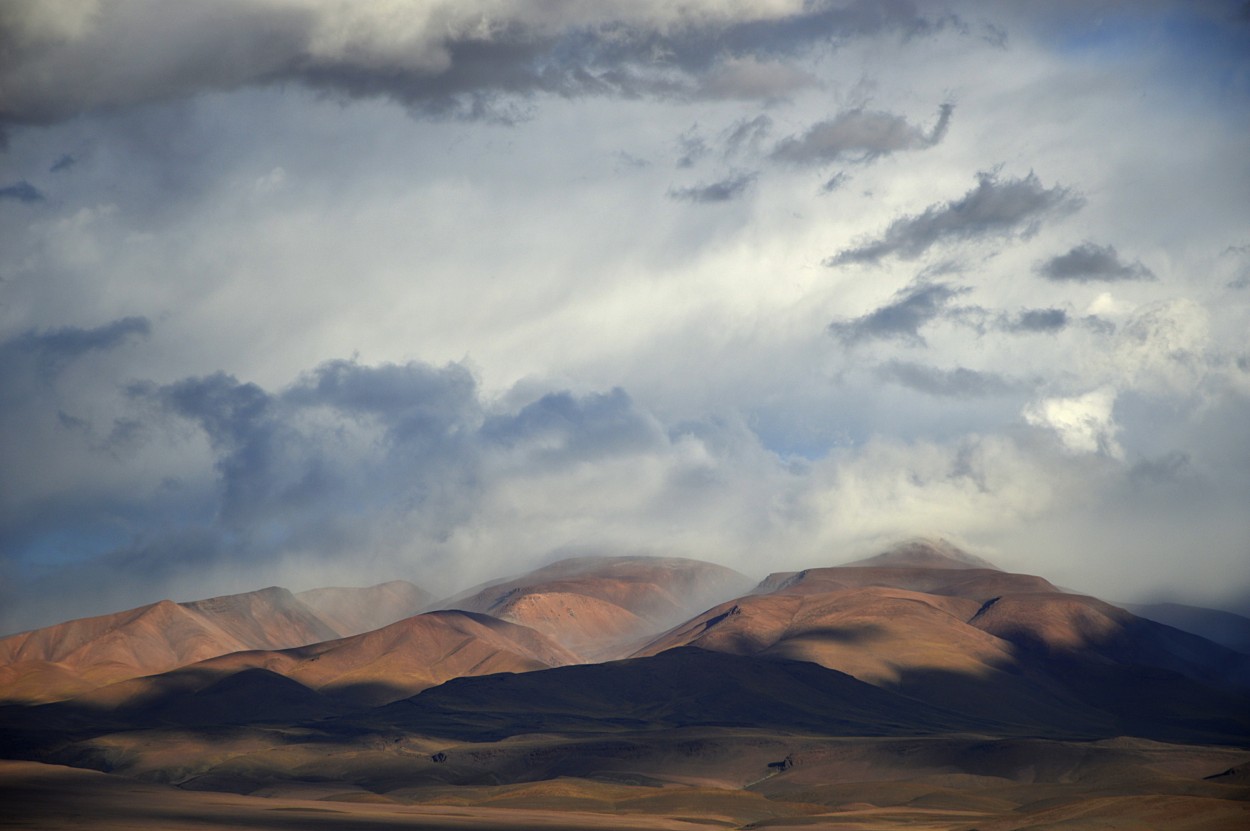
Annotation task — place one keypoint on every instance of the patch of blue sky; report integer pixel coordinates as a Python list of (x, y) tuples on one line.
[(66, 546), (1206, 54)]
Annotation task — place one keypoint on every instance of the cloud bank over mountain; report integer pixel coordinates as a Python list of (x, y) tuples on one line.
[(308, 292)]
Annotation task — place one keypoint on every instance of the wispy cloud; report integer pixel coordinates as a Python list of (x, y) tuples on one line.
[(22, 191), (902, 319), (723, 190), (945, 383), (860, 135), (994, 208)]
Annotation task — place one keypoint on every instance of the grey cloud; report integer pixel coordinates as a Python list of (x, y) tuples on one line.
[(560, 427), (1099, 325), (454, 59), (64, 163), (994, 208), (281, 458), (22, 191), (53, 349), (721, 191), (692, 147), (1037, 320), (412, 399), (902, 319), (746, 134), (946, 383), (347, 458), (1088, 262), (860, 135), (1165, 469), (835, 182)]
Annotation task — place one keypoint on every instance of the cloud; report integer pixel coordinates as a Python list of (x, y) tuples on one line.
[(64, 163), (52, 349), (912, 309), (1083, 424), (1036, 320), (692, 146), (445, 58), (385, 439), (1088, 262), (22, 191), (835, 182), (945, 383), (1163, 347), (747, 134), (722, 191), (560, 428), (994, 208), (859, 135)]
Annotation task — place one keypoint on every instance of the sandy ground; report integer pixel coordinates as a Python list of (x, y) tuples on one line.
[(817, 794), (38, 796)]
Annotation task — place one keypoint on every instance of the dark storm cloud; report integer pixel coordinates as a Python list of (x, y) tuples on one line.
[(860, 135), (722, 191), (64, 163), (1036, 320), (946, 383), (22, 191), (994, 208), (1088, 262), (903, 318), (450, 59)]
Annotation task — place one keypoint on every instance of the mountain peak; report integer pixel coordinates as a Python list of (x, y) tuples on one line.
[(924, 552)]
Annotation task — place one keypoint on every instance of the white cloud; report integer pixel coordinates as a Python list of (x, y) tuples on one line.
[(1083, 424)]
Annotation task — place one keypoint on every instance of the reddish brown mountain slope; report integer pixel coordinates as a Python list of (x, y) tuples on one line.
[(372, 668), (69, 658), (598, 606), (964, 635)]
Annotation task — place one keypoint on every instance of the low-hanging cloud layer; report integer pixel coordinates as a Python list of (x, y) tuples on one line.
[(311, 292)]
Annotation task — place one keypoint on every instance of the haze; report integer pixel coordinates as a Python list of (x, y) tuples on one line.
[(317, 293)]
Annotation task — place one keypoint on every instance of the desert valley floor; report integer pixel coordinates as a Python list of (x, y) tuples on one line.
[(922, 688)]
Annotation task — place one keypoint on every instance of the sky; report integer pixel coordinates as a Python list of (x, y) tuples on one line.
[(315, 292)]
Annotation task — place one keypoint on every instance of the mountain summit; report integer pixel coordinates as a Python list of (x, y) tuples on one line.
[(923, 552)]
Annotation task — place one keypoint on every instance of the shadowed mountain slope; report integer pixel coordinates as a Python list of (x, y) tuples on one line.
[(599, 606), (1222, 627), (681, 688)]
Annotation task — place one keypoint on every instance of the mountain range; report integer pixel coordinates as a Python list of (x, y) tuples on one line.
[(922, 687)]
